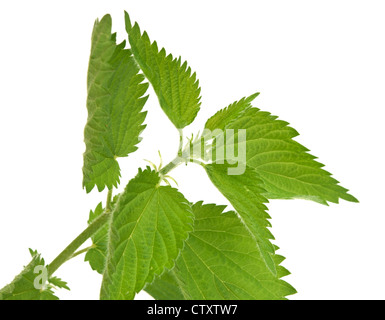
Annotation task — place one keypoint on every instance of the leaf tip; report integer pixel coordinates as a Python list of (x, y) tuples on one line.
[(253, 96), (127, 21), (351, 198), (106, 20)]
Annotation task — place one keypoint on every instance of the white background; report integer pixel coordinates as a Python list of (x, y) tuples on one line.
[(319, 65)]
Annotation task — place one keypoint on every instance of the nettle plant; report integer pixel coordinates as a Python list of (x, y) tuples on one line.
[(150, 237)]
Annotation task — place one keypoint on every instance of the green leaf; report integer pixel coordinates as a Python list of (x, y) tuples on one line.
[(59, 283), (245, 194), (225, 116), (96, 256), (114, 102), (23, 287), (175, 85), (285, 166), (165, 287), (165, 284), (148, 228), (221, 261)]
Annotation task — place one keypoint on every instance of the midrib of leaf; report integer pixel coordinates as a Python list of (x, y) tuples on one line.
[(173, 82), (245, 193), (126, 242), (223, 253), (285, 166), (227, 266), (132, 261), (188, 268), (114, 103), (208, 268)]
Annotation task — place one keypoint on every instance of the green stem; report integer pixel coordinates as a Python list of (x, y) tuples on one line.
[(172, 165), (180, 151), (79, 240), (70, 251), (108, 203), (81, 251)]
